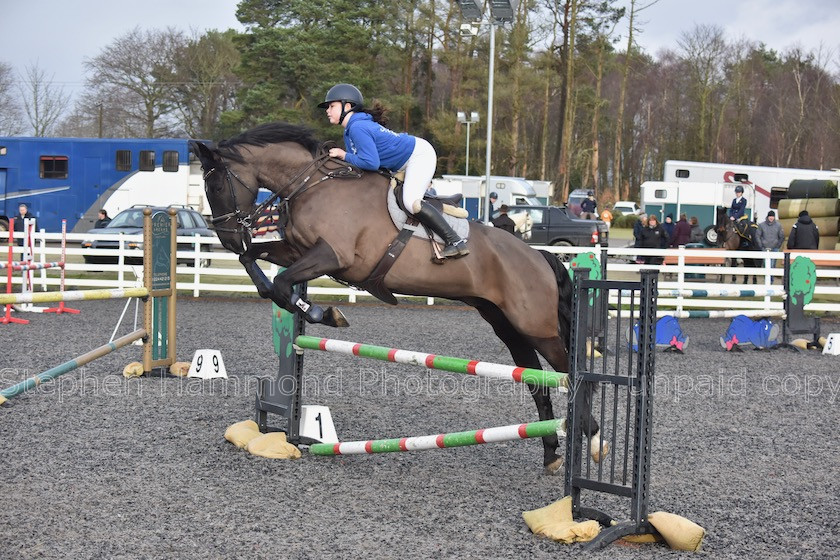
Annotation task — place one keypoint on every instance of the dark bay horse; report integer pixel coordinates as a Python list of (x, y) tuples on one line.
[(745, 240), (336, 223)]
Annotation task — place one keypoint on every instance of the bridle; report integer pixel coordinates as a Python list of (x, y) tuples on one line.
[(245, 220)]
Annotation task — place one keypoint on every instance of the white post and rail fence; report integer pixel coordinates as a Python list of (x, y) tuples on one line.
[(692, 279)]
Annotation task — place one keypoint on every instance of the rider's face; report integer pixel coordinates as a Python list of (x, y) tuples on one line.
[(334, 112)]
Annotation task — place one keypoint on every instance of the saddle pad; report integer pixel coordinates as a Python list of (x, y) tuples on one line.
[(460, 225)]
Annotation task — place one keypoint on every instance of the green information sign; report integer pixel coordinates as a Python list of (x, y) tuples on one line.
[(161, 257)]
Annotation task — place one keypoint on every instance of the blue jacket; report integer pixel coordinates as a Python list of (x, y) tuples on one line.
[(738, 208), (371, 146)]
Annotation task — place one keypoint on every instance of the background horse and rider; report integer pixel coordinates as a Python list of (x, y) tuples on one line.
[(740, 235), (336, 223)]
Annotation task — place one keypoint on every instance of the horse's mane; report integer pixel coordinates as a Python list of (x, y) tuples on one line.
[(269, 133)]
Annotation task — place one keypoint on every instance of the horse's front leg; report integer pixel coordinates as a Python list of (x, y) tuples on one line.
[(320, 259), (280, 253), (277, 252)]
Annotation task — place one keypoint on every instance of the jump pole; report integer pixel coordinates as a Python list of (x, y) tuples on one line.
[(442, 441), (432, 361), (70, 365), (76, 295), (159, 293)]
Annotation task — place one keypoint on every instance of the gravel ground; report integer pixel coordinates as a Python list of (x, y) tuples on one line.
[(96, 466)]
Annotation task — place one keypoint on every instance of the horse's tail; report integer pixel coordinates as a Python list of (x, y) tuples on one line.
[(564, 300)]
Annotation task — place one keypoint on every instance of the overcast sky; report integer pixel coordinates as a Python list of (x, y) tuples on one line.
[(60, 34)]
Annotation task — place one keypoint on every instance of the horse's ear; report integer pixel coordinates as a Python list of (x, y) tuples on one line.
[(205, 154)]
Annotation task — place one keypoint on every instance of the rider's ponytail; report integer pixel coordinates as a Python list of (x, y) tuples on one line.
[(377, 111)]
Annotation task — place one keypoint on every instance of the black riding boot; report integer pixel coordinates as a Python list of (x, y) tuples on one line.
[(434, 220)]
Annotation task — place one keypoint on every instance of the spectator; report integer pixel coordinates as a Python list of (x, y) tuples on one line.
[(607, 216), (653, 237), (503, 221), (588, 206), (103, 220), (804, 234), (770, 233), (638, 225), (668, 226), (682, 232), (696, 231), (23, 214)]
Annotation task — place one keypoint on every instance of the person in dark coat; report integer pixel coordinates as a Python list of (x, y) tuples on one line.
[(103, 220), (653, 236), (682, 232), (669, 225), (503, 221), (23, 214), (588, 206), (804, 234), (638, 225), (696, 231)]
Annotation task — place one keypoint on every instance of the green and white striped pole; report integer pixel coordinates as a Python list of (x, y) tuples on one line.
[(442, 441), (432, 361)]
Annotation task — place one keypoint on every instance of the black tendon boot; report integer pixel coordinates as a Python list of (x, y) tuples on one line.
[(434, 220)]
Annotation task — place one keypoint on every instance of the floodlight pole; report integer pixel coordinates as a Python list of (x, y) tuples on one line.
[(487, 209), (467, 164)]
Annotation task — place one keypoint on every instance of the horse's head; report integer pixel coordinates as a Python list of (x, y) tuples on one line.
[(269, 156), (227, 183), (731, 239)]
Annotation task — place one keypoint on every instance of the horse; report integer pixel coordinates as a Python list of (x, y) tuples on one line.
[(336, 223), (735, 240)]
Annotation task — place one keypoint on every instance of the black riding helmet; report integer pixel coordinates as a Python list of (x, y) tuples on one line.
[(345, 93), (739, 189)]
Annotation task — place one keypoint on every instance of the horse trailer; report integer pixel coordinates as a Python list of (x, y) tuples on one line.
[(72, 178)]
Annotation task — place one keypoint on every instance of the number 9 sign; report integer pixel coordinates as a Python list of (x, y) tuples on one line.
[(207, 364)]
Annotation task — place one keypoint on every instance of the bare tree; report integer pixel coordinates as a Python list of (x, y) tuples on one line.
[(705, 53), (204, 84), (43, 102), (11, 121), (141, 65)]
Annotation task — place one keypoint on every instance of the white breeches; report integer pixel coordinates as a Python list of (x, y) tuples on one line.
[(419, 170)]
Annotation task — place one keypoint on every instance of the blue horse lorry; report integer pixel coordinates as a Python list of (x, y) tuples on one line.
[(73, 178)]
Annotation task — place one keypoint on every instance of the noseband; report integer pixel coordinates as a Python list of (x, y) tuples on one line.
[(245, 220)]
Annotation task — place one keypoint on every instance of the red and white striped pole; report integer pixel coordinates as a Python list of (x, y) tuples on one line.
[(7, 317), (61, 307)]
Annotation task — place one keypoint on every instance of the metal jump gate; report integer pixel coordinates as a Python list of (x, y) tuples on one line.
[(617, 390)]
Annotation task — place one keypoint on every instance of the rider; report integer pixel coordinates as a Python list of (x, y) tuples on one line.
[(738, 209), (372, 146)]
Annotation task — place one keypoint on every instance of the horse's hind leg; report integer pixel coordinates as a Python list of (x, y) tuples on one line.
[(524, 355)]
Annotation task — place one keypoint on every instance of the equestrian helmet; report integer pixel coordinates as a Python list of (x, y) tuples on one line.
[(346, 93), (739, 189)]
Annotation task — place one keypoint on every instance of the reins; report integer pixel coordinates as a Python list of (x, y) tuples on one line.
[(245, 220)]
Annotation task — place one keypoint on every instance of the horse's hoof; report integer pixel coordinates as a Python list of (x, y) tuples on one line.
[(335, 318), (555, 466), (597, 448)]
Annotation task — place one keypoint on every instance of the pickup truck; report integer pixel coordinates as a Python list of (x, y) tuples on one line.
[(553, 225)]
